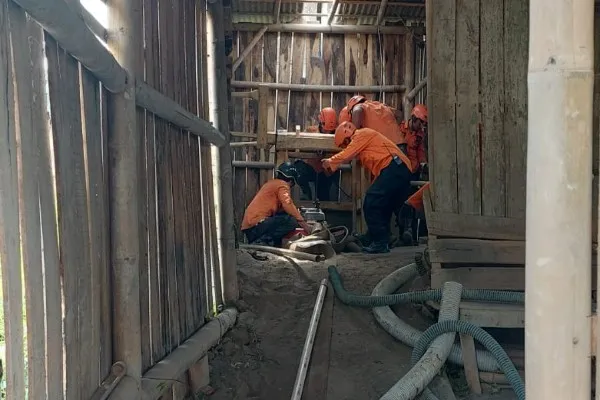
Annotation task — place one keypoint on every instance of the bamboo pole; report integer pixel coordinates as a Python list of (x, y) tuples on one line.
[(217, 78), (159, 104), (559, 200), (331, 29), (298, 87), (276, 12), (125, 18), (243, 144), (249, 48), (407, 101), (409, 72), (72, 33)]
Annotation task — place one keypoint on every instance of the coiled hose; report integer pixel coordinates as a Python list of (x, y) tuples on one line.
[(433, 359), (442, 327), (382, 298)]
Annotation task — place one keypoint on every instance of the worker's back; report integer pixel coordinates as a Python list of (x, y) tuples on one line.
[(381, 118), (265, 204)]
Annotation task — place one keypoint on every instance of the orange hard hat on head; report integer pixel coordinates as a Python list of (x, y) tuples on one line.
[(355, 100), (420, 111), (328, 118), (345, 115), (344, 131)]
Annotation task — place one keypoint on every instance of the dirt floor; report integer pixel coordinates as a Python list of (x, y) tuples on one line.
[(259, 358)]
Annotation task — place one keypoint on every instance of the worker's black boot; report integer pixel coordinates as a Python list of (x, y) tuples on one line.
[(377, 248)]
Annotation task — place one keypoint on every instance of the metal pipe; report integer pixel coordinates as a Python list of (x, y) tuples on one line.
[(310, 341)]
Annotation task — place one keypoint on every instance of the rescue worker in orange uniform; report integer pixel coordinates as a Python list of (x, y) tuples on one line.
[(272, 213), (375, 115), (414, 132), (311, 169), (389, 166)]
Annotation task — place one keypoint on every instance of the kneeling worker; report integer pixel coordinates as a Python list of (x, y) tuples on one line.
[(272, 214), (391, 169)]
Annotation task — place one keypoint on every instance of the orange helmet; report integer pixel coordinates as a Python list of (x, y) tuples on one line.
[(355, 100), (328, 119), (345, 115), (344, 131), (420, 111)]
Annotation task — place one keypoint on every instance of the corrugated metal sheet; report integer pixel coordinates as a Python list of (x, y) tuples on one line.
[(362, 13)]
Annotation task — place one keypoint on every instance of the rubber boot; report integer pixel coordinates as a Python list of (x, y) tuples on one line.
[(377, 248)]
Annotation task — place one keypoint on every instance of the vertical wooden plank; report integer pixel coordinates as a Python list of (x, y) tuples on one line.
[(106, 315), (285, 75), (493, 160), (9, 221), (375, 49), (327, 55), (516, 47), (467, 144), (297, 69), (596, 128), (352, 54), (28, 61), (269, 73), (63, 79), (90, 89), (442, 103), (315, 75)]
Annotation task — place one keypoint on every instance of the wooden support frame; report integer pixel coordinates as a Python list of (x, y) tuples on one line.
[(70, 30), (159, 104), (248, 49), (299, 87)]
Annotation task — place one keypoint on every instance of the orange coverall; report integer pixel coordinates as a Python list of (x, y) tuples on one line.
[(272, 198), (381, 118), (415, 146)]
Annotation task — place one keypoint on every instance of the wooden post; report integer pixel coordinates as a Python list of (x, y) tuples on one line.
[(409, 72), (125, 42), (217, 78), (559, 200)]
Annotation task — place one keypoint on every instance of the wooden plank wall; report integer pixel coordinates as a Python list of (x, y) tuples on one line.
[(477, 64), (299, 58), (54, 205)]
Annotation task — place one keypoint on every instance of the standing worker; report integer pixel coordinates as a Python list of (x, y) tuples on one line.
[(414, 132), (375, 115), (389, 166), (272, 213), (328, 121)]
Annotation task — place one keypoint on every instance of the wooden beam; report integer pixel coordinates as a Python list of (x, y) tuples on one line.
[(72, 33), (243, 144), (249, 48), (298, 87), (218, 105), (476, 251), (125, 171), (381, 12), (560, 86), (95, 26), (253, 164), (493, 278), (334, 7), (252, 94), (167, 109), (159, 377), (331, 29), (303, 141), (475, 226)]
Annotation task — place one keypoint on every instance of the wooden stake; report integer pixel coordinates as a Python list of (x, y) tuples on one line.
[(217, 78), (559, 199), (125, 17)]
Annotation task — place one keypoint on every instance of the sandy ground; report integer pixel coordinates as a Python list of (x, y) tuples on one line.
[(259, 358)]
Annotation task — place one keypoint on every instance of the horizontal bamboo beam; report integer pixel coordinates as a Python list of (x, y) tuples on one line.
[(70, 31), (243, 144), (162, 375), (411, 95), (298, 87), (159, 104), (253, 164), (331, 29)]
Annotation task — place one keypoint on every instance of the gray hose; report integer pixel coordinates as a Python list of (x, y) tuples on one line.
[(409, 335), (284, 252), (423, 371)]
